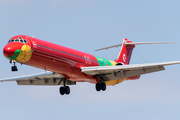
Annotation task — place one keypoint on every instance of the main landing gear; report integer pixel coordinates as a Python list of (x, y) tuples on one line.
[(64, 89), (101, 85), (14, 68)]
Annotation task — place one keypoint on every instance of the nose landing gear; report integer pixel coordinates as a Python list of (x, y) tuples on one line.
[(14, 68)]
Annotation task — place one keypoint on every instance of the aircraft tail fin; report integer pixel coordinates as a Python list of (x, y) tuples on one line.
[(125, 52)]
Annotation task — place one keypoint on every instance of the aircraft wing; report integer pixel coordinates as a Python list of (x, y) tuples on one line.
[(48, 78), (124, 71)]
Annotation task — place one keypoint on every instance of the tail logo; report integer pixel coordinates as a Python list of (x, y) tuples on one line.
[(124, 57)]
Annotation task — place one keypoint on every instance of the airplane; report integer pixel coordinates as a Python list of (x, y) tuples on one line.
[(67, 66)]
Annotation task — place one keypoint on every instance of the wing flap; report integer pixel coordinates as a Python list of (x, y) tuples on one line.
[(130, 73), (55, 81)]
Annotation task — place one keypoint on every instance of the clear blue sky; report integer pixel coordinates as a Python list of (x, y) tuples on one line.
[(87, 25)]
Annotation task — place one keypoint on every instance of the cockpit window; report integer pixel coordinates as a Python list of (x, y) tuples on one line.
[(25, 41), (18, 40)]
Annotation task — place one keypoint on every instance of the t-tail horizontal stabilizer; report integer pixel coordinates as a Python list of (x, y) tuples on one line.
[(137, 43)]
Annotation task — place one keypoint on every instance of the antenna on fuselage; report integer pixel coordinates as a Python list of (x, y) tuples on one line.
[(33, 36)]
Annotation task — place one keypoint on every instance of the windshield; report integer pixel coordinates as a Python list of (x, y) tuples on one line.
[(18, 40)]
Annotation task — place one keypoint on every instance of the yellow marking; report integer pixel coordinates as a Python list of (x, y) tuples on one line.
[(114, 82), (113, 63), (25, 54)]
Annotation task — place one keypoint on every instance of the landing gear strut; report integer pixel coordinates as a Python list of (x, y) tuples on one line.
[(64, 89), (14, 68), (100, 85)]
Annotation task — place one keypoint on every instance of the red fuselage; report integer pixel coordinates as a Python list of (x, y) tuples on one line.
[(62, 60), (52, 57)]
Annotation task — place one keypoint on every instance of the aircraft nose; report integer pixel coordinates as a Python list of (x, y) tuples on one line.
[(12, 50), (8, 50)]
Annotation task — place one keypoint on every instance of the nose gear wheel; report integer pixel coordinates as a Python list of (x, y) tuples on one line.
[(14, 68)]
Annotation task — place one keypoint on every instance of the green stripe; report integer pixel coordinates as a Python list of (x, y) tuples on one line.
[(103, 62), (16, 53), (108, 62)]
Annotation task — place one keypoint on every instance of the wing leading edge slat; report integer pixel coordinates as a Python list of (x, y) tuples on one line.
[(48, 78), (28, 77)]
